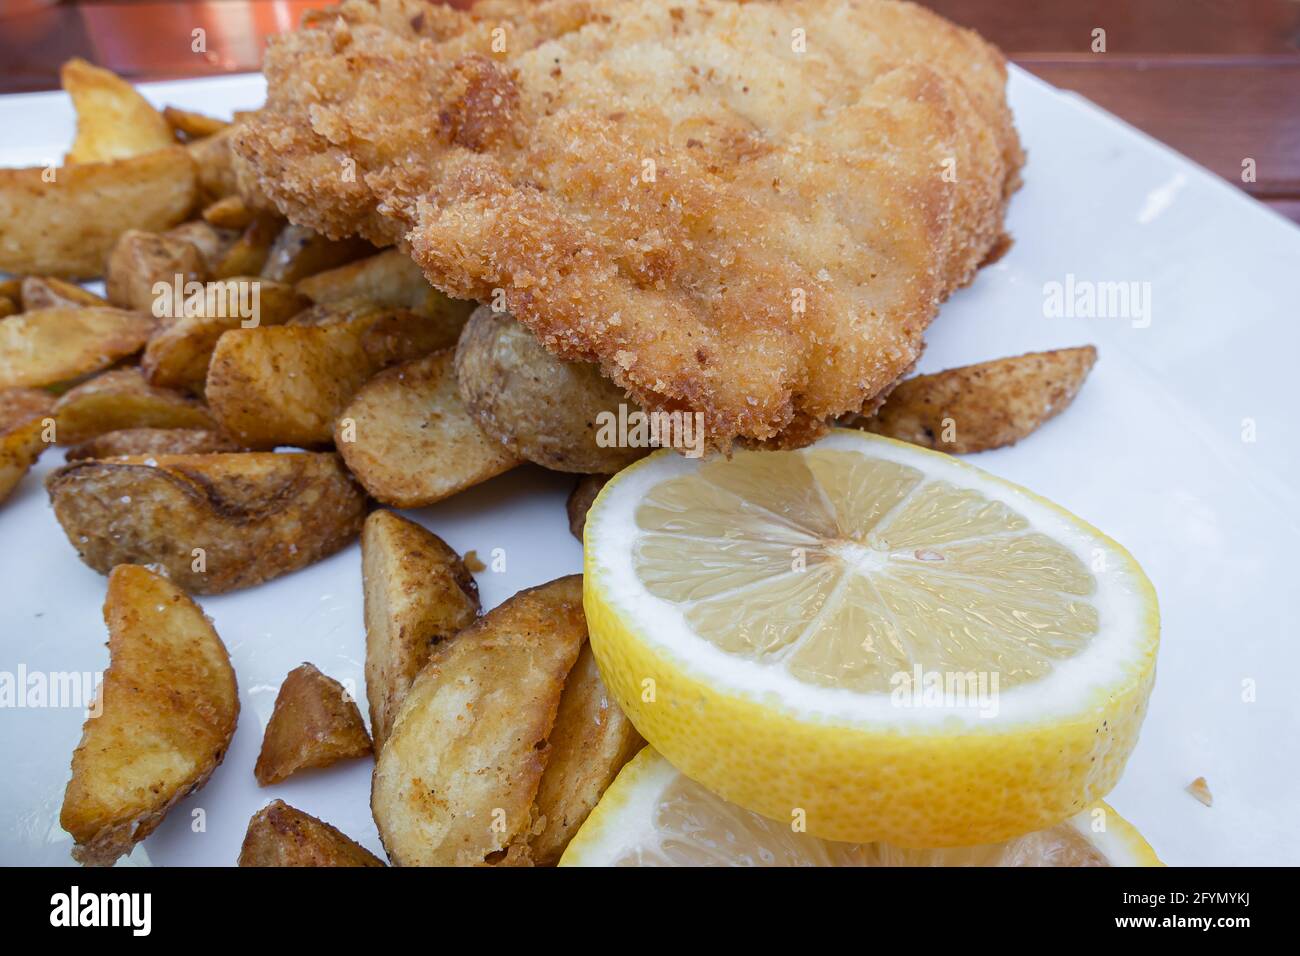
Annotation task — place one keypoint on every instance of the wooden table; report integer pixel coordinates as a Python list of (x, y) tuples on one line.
[(1219, 80)]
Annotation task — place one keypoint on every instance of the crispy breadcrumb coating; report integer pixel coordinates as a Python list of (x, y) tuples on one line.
[(751, 210)]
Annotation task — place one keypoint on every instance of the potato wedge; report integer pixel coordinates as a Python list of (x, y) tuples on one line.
[(590, 741), (193, 125), (315, 723), (47, 292), (214, 522), (50, 346), (985, 406), (452, 791), (299, 252), (390, 278), (212, 243), (169, 706), (214, 173), (24, 416), (286, 385), (65, 222), (247, 255), (141, 260), (120, 399), (281, 835), (418, 593), (540, 407), (8, 307), (409, 439), (580, 500), (152, 441), (229, 212), (178, 355), (113, 120)]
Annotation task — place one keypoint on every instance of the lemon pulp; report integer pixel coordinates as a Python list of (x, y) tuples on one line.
[(845, 570)]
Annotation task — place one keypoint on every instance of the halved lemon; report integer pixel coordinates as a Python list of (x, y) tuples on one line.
[(653, 815), (878, 639)]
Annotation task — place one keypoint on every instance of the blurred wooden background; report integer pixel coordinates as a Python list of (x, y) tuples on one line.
[(1219, 80)]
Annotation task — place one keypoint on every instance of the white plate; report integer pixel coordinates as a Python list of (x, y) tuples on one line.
[(1155, 451)]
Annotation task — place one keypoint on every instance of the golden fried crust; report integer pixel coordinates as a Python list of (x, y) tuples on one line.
[(747, 210)]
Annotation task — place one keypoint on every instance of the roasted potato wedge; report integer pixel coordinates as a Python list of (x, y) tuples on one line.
[(152, 441), (537, 406), (418, 593), (299, 252), (580, 500), (409, 439), (590, 741), (24, 414), (215, 176), (168, 710), (140, 260), (452, 791), (392, 279), (315, 723), (193, 125), (120, 399), (47, 292), (50, 346), (229, 212), (64, 222), (286, 385), (281, 835), (985, 406), (212, 243), (247, 255), (178, 355), (113, 120), (214, 522)]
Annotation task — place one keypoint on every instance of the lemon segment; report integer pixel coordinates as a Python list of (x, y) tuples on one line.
[(652, 815), (885, 639)]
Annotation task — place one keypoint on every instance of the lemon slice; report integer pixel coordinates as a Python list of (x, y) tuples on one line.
[(654, 816), (883, 640)]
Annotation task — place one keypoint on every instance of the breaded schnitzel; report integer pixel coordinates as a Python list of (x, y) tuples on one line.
[(752, 210)]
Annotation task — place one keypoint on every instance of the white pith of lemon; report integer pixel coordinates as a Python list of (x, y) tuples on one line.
[(652, 815), (759, 618)]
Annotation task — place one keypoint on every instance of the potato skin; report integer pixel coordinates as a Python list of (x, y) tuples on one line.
[(581, 498), (152, 441), (539, 407), (418, 593), (984, 406), (169, 707), (281, 835), (256, 515)]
